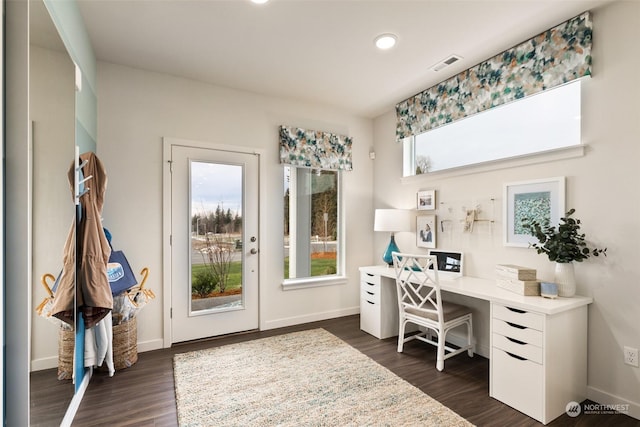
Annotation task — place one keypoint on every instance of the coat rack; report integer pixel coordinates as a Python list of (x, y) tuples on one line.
[(79, 191)]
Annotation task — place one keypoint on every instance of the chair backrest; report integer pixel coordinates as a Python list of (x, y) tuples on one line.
[(417, 284)]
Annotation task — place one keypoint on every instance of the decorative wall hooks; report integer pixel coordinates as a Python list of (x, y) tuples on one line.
[(464, 216)]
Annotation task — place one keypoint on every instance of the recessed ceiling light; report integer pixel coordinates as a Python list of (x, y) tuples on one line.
[(386, 41), (259, 1)]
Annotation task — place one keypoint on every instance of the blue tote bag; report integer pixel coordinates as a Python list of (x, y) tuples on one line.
[(119, 272)]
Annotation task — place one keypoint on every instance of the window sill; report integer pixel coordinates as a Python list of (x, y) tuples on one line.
[(313, 282), (524, 160)]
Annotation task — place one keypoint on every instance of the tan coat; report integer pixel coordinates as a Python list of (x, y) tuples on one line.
[(90, 285)]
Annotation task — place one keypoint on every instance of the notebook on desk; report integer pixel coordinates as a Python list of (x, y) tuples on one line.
[(450, 263)]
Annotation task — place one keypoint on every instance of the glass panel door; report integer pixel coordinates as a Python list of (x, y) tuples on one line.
[(216, 239), (214, 245)]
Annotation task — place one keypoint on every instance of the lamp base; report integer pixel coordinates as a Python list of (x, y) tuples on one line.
[(387, 257)]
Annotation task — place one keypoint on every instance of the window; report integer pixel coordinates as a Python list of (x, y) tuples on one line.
[(547, 121), (311, 223)]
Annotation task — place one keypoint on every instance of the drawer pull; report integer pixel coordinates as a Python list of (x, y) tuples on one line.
[(516, 310), (370, 284), (370, 293), (372, 303), (514, 325), (369, 274), (513, 340), (515, 356)]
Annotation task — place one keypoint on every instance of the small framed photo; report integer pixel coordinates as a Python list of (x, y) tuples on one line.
[(426, 200), (426, 231), (541, 200)]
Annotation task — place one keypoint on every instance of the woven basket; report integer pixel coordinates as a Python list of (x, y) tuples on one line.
[(125, 348), (125, 344), (66, 340)]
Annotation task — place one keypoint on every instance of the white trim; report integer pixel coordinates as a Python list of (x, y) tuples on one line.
[(52, 361), (44, 363), (313, 282), (166, 239), (314, 317), (150, 345), (459, 339), (262, 227), (168, 142), (341, 245), (512, 162), (604, 398)]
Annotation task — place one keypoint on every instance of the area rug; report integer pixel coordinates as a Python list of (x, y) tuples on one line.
[(309, 378)]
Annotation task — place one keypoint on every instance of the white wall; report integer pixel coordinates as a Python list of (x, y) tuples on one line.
[(137, 108), (602, 186)]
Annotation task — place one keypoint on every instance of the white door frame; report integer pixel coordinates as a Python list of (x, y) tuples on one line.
[(167, 143)]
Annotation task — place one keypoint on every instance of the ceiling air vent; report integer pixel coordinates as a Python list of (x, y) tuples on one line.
[(446, 62)]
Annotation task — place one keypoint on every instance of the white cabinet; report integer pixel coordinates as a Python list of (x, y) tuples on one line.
[(538, 349), (538, 361), (378, 306)]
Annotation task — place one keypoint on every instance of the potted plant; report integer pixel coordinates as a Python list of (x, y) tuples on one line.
[(563, 245)]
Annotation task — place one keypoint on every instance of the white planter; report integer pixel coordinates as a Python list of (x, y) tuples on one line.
[(565, 278)]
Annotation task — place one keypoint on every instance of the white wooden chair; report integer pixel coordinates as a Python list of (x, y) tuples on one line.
[(419, 302)]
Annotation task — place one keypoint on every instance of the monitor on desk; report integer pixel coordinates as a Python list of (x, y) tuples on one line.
[(450, 263)]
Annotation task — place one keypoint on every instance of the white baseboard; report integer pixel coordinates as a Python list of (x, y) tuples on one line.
[(150, 345), (52, 362), (307, 318), (617, 403), (44, 363), (460, 339)]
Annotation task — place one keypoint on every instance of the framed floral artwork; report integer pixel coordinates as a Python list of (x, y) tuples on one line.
[(541, 200)]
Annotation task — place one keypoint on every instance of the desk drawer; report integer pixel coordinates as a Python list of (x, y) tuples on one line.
[(518, 348), (370, 317), (521, 333), (518, 316), (373, 279), (518, 383), (369, 293)]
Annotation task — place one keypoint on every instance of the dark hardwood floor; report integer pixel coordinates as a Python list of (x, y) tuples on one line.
[(143, 395)]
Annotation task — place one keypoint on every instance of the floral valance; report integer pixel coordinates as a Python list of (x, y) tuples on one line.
[(552, 58), (315, 149)]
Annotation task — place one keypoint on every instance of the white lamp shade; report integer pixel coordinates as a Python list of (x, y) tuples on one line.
[(392, 220)]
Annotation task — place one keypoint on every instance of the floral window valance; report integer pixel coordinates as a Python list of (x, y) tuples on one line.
[(552, 58), (315, 149)]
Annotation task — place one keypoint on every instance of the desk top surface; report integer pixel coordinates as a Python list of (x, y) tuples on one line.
[(486, 289)]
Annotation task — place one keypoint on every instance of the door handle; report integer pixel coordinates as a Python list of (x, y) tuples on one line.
[(253, 251)]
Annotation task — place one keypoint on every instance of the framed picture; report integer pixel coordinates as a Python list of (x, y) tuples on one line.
[(540, 200), (426, 231), (426, 200)]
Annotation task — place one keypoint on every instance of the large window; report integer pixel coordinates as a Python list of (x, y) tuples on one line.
[(549, 120), (311, 223)]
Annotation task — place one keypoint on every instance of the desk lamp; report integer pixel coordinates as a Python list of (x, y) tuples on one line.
[(392, 220)]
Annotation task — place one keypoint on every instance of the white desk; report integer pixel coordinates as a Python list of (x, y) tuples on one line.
[(538, 347)]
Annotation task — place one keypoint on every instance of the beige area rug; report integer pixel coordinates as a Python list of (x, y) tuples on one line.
[(309, 378)]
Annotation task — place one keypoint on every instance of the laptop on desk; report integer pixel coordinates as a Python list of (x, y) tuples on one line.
[(450, 263)]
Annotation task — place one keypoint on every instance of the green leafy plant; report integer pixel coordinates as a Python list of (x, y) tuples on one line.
[(564, 244), (203, 282)]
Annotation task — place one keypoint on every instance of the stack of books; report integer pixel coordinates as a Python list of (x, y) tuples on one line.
[(514, 278)]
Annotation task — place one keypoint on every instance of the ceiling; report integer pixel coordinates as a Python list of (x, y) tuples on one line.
[(316, 51)]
